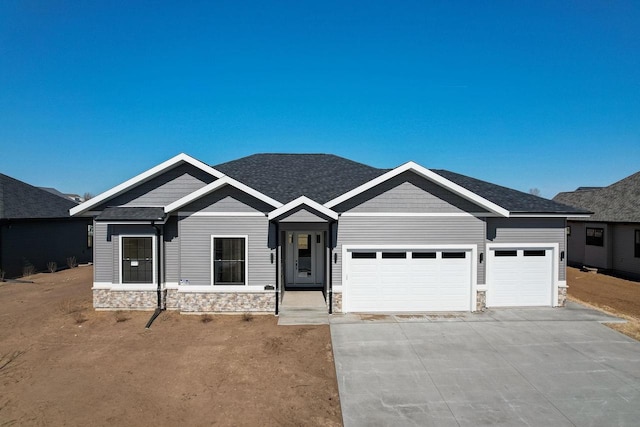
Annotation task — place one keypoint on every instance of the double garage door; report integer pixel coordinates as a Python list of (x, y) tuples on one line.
[(408, 280)]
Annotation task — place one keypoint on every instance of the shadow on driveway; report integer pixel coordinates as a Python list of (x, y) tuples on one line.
[(524, 366)]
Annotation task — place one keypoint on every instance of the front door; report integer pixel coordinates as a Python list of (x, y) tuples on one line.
[(304, 259)]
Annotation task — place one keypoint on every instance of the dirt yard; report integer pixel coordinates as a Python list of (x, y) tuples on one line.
[(62, 363), (611, 294)]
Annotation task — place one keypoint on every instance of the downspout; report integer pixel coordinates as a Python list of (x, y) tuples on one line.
[(277, 231), (330, 281), (159, 308)]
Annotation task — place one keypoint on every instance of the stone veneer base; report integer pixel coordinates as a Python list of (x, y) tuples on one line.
[(336, 299), (562, 297), (481, 301), (194, 302)]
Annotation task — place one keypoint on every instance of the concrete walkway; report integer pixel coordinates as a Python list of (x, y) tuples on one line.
[(303, 308), (508, 367)]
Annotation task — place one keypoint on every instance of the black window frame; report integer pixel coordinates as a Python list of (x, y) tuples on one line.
[(219, 261), (137, 263), (637, 243), (594, 239)]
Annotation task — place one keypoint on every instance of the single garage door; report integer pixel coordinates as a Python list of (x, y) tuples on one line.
[(519, 277), (411, 280)]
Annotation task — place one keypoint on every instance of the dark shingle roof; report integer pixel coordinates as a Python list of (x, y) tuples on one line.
[(323, 177), (618, 202), (19, 200), (513, 200), (131, 214), (285, 177)]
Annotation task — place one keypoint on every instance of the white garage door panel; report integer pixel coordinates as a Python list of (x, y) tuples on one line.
[(520, 280), (408, 284)]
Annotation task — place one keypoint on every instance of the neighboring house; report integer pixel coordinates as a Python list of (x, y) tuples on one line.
[(610, 238), (75, 197), (237, 236), (35, 229)]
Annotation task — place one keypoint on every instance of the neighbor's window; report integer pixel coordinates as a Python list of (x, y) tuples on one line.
[(637, 251), (568, 230), (90, 235), (595, 236), (229, 259), (137, 260)]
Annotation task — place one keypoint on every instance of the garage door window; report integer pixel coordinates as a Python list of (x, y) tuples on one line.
[(423, 255), (535, 253), (394, 255), (363, 255), (506, 253), (454, 254), (595, 236)]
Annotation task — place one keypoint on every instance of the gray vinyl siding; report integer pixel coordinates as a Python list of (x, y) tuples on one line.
[(576, 243), (171, 251), (227, 199), (302, 215), (407, 231), (529, 230), (195, 247), (411, 193), (623, 246), (163, 189), (103, 262)]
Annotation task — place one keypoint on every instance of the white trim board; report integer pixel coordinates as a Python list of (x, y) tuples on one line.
[(215, 185), (417, 214), (303, 201), (143, 177), (431, 176), (228, 214)]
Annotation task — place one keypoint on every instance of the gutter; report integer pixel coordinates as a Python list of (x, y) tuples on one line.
[(159, 307)]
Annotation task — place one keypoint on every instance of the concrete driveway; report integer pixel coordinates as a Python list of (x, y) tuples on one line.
[(533, 367)]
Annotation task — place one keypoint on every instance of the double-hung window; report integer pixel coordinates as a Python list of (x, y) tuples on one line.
[(595, 236), (229, 260)]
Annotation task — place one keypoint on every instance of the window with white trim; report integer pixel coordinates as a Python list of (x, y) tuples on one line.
[(229, 260), (137, 259)]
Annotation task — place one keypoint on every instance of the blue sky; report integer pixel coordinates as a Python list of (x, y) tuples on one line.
[(525, 94)]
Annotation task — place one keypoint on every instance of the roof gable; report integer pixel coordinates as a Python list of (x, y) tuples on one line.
[(19, 200), (141, 178), (616, 203), (425, 173)]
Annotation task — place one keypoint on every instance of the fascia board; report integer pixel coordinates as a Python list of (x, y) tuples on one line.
[(209, 188), (428, 174), (300, 201), (139, 179)]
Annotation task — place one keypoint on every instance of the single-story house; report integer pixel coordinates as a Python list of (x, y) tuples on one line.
[(238, 235), (35, 229), (610, 238)]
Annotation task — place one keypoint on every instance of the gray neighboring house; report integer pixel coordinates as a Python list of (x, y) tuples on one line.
[(237, 236), (35, 228), (610, 238)]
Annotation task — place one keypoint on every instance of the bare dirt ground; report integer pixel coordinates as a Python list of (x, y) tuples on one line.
[(64, 364), (616, 296)]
